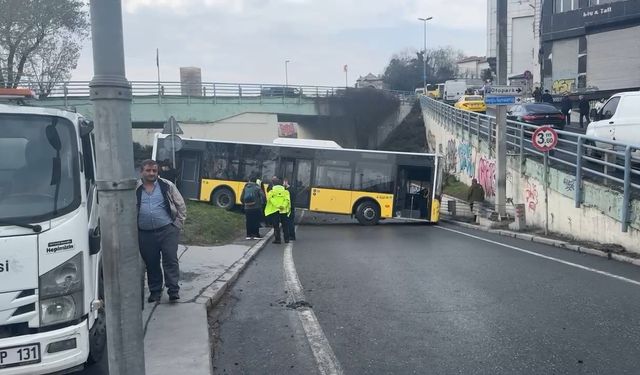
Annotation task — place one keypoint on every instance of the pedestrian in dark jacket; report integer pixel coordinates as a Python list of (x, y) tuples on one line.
[(546, 97), (161, 215), (252, 199), (475, 194), (584, 107), (565, 107), (537, 95)]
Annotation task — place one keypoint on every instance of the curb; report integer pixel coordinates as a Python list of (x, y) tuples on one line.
[(214, 292), (548, 241)]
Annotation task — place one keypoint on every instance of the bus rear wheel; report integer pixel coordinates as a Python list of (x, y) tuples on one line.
[(368, 213), (223, 198)]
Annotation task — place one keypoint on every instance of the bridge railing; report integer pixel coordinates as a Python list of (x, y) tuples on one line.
[(614, 164), (243, 92)]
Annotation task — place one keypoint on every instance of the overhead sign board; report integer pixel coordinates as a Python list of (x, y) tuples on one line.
[(506, 90), (500, 100)]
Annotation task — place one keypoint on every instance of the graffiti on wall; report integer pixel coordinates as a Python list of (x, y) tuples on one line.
[(569, 184), (465, 159), (431, 141), (487, 176), (560, 86), (531, 196), (451, 160)]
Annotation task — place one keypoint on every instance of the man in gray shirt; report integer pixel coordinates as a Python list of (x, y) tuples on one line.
[(161, 215)]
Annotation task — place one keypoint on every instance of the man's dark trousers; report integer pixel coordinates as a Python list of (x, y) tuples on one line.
[(153, 243), (291, 224), (584, 115), (277, 220), (252, 217)]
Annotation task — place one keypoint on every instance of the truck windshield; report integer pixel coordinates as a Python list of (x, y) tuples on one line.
[(39, 172)]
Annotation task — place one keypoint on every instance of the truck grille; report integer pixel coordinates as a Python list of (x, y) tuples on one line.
[(13, 330)]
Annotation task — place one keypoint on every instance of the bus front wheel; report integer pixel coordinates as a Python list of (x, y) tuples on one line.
[(368, 213), (223, 198)]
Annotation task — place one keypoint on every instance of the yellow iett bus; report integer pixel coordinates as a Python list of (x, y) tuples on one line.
[(368, 185)]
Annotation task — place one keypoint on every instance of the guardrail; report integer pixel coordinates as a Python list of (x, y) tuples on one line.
[(243, 92), (614, 164)]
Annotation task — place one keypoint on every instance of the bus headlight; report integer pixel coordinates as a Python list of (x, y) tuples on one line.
[(61, 292)]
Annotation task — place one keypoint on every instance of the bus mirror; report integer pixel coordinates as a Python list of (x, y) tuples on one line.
[(94, 241)]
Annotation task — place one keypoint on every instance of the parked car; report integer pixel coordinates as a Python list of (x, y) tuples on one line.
[(281, 91), (474, 103), (618, 120), (537, 114)]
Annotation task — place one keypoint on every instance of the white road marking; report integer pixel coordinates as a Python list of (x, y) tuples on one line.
[(325, 358), (621, 278)]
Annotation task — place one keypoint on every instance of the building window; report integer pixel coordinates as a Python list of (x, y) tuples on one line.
[(561, 6)]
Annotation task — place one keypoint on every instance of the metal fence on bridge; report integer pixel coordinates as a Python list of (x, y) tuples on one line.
[(611, 163), (226, 92)]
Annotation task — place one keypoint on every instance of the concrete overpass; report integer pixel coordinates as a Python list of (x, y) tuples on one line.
[(248, 112)]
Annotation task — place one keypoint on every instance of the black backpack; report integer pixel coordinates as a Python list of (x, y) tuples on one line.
[(251, 195)]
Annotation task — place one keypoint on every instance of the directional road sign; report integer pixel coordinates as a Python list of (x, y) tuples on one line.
[(499, 100), (506, 90), (544, 138)]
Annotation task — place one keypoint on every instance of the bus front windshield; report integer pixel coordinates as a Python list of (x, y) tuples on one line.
[(39, 176)]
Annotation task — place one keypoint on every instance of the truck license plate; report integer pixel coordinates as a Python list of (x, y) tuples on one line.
[(19, 355)]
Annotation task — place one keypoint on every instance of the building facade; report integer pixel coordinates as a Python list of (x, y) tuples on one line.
[(523, 37), (472, 67), (190, 81), (370, 81), (590, 45)]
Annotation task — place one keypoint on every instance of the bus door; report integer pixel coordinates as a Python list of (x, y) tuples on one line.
[(189, 180), (298, 173), (413, 192)]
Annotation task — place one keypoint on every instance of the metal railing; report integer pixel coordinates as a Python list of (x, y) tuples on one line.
[(614, 164), (227, 92)]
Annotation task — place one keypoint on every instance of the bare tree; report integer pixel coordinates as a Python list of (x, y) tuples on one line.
[(32, 29), (53, 62)]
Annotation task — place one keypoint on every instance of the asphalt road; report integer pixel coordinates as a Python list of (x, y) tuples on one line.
[(417, 299)]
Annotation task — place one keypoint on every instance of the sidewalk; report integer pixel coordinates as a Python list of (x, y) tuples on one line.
[(177, 334)]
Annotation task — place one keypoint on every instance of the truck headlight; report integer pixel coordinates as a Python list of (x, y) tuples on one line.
[(61, 292), (60, 309)]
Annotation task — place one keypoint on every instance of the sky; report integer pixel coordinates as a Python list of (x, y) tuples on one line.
[(248, 41)]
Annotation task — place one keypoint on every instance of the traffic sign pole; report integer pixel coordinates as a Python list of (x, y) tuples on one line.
[(546, 192)]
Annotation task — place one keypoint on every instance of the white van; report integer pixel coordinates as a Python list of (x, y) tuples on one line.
[(453, 90), (618, 120)]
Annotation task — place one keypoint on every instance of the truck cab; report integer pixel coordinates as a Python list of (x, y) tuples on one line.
[(618, 120), (52, 316)]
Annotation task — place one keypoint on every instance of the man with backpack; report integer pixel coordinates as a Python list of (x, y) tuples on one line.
[(277, 210), (252, 198)]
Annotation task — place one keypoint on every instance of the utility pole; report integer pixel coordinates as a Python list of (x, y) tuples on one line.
[(111, 99), (424, 55), (501, 110), (286, 73)]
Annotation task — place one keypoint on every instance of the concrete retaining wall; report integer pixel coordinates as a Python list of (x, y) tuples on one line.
[(598, 218)]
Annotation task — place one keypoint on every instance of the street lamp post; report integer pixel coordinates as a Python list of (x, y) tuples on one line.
[(424, 54), (286, 72)]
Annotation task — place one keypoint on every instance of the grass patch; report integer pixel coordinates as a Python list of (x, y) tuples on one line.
[(455, 188), (209, 225)]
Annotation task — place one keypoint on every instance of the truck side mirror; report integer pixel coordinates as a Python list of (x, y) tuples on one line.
[(94, 240)]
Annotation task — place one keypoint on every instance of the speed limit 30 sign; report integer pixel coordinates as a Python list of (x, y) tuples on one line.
[(544, 139)]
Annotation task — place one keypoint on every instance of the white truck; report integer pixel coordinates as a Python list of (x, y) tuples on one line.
[(52, 316), (618, 120)]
